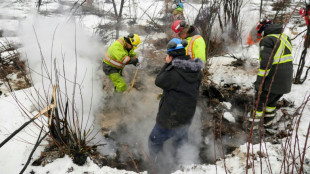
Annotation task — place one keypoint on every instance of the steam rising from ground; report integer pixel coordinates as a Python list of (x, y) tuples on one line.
[(137, 116), (58, 49)]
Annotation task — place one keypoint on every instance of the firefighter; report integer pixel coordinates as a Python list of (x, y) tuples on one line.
[(252, 37), (196, 47), (306, 14), (178, 11), (280, 67), (180, 79), (120, 53), (255, 34), (261, 27)]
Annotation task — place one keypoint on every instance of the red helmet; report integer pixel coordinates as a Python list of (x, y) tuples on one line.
[(261, 25), (178, 26)]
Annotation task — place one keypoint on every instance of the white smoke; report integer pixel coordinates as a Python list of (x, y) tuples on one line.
[(55, 47), (189, 153)]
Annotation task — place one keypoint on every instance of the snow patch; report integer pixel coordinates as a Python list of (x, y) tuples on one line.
[(229, 117)]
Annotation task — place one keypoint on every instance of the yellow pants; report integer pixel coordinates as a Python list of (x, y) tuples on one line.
[(118, 81)]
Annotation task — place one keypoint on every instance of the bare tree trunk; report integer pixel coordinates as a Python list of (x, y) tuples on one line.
[(39, 3), (118, 16), (260, 9), (166, 6), (221, 23), (302, 60), (114, 6)]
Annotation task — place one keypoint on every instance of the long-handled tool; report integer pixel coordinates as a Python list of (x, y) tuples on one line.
[(133, 80)]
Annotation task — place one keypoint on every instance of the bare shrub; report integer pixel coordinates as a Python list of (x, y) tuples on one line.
[(281, 5), (231, 18)]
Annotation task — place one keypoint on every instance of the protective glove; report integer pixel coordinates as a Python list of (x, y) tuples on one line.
[(159, 96)]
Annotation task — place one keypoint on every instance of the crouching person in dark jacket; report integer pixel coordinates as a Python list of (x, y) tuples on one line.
[(180, 79)]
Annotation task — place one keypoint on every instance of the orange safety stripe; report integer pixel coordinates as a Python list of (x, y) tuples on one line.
[(121, 41), (126, 60), (191, 45), (117, 63), (114, 62)]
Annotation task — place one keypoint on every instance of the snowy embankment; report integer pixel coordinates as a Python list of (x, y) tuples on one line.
[(18, 107), (15, 153)]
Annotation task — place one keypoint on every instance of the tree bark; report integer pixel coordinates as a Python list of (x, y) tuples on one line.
[(260, 9), (118, 16)]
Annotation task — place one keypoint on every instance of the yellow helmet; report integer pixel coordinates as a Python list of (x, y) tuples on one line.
[(134, 40)]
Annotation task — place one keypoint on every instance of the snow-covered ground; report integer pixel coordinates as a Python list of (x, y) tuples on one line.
[(17, 19)]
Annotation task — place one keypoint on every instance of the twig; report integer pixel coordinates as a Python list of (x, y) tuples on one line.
[(304, 151), (131, 157), (220, 134), (148, 157), (299, 34), (51, 106), (34, 149)]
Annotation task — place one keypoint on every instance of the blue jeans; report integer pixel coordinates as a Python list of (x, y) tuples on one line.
[(159, 135)]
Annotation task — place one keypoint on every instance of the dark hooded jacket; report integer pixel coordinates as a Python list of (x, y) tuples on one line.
[(283, 73), (180, 81)]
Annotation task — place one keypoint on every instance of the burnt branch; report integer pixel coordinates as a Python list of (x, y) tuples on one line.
[(39, 140)]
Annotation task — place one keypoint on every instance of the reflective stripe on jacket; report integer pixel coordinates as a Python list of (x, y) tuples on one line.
[(116, 63), (117, 54), (282, 55), (196, 47)]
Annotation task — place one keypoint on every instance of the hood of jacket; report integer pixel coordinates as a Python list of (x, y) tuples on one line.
[(189, 69), (273, 29), (192, 31)]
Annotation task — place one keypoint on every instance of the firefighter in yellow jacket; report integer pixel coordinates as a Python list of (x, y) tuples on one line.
[(120, 53), (196, 47)]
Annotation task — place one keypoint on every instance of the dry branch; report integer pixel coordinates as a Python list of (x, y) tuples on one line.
[(51, 106), (33, 150)]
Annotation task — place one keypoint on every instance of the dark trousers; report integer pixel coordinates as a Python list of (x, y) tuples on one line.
[(159, 135), (269, 112), (271, 103)]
